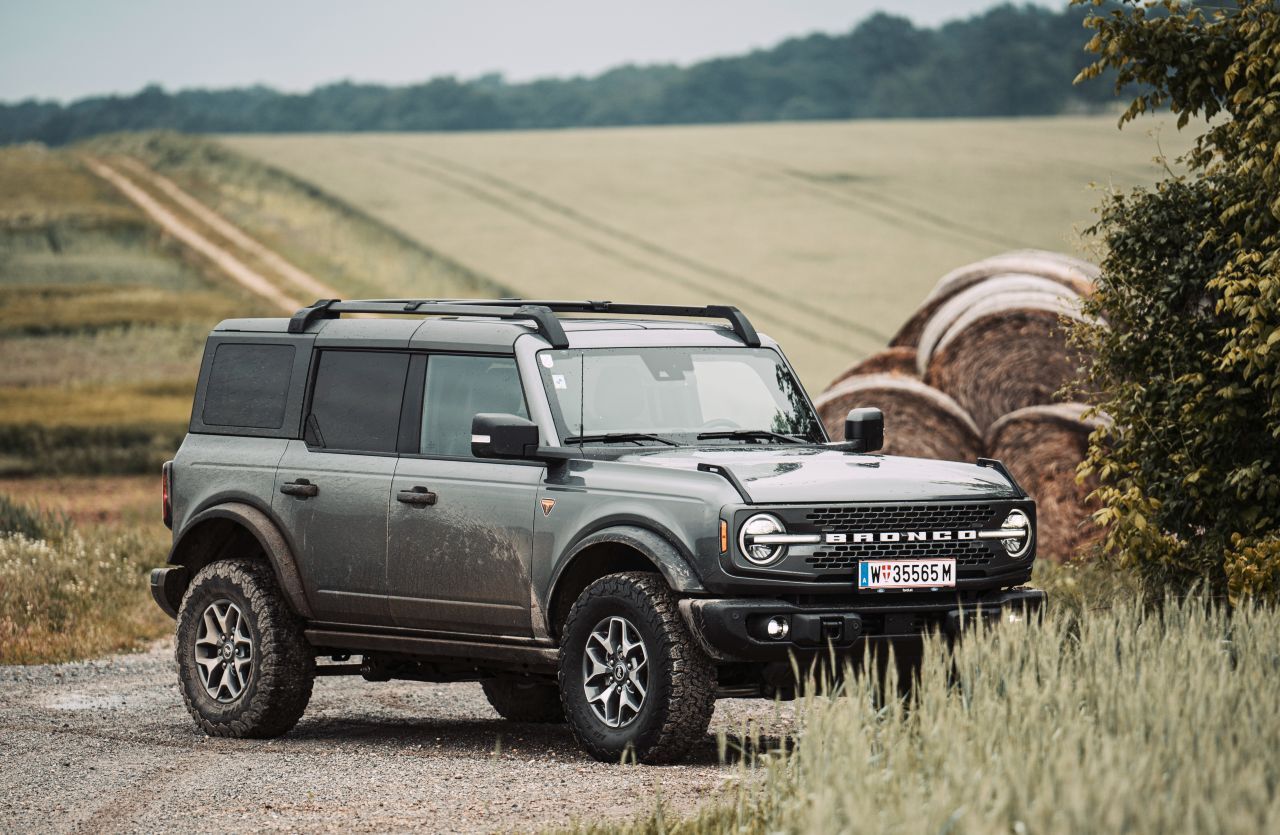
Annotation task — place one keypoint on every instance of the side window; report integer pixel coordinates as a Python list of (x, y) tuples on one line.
[(248, 385), (459, 388), (355, 404)]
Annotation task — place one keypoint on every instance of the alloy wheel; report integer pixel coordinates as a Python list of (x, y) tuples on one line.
[(615, 671), (224, 651)]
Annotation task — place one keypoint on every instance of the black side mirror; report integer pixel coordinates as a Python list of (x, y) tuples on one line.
[(864, 429), (503, 436)]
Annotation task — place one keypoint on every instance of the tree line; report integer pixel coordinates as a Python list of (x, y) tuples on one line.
[(1008, 61)]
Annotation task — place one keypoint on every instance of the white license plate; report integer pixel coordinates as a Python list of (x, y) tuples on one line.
[(906, 574)]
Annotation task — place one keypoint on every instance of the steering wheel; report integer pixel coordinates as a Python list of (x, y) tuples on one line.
[(720, 423)]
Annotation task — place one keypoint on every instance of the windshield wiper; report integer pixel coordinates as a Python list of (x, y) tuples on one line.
[(749, 435), (619, 438)]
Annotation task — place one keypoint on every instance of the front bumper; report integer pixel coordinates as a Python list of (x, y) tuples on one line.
[(734, 629)]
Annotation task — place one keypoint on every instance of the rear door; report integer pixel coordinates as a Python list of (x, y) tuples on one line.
[(461, 528), (333, 487)]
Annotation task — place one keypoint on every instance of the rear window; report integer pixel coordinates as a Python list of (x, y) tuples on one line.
[(248, 386), (355, 405)]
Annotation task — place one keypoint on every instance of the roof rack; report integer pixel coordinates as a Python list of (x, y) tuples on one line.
[(541, 312)]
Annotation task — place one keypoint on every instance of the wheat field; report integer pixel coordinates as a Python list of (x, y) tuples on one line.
[(827, 234)]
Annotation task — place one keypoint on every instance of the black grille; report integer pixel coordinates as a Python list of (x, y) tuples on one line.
[(845, 557), (920, 517), (850, 519)]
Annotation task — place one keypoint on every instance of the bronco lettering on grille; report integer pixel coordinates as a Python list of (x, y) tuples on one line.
[(900, 536)]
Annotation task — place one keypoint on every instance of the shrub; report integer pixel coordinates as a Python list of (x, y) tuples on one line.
[(1190, 285)]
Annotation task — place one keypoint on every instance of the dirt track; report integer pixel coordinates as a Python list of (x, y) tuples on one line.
[(107, 746)]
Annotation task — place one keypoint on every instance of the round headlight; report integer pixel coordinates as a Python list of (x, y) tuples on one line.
[(762, 524), (1017, 521)]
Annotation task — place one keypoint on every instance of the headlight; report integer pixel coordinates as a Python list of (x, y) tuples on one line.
[(764, 525), (1017, 521)]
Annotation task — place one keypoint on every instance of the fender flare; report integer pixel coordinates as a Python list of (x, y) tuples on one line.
[(655, 548), (269, 538)]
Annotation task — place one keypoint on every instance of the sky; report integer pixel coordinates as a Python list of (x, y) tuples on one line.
[(68, 49)]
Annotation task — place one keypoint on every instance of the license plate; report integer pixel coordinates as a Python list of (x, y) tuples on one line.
[(906, 574)]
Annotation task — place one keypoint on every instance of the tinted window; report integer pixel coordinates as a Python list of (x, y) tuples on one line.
[(459, 388), (248, 385), (355, 404)]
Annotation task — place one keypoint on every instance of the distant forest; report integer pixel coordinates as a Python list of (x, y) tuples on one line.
[(1009, 61)]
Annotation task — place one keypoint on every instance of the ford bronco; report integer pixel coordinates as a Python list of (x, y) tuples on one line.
[(606, 514)]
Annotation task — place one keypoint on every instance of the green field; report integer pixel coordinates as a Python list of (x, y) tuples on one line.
[(827, 234)]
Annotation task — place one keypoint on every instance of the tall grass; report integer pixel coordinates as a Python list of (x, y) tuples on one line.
[(67, 593), (1128, 720)]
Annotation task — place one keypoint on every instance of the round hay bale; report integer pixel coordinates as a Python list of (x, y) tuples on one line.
[(1041, 446), (1071, 273), (1004, 353), (919, 421), (900, 360), (1023, 288)]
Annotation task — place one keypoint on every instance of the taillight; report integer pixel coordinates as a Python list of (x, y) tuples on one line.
[(166, 488)]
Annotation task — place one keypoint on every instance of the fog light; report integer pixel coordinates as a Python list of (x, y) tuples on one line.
[(777, 628)]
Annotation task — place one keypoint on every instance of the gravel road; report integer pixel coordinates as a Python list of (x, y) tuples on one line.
[(106, 745)]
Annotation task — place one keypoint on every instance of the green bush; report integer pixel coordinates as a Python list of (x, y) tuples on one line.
[(1189, 368)]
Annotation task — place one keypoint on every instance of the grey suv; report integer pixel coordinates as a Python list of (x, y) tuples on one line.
[(603, 514)]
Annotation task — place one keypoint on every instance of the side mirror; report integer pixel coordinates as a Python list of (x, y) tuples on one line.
[(503, 436), (864, 429)]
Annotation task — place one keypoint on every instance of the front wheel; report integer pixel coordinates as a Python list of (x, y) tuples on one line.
[(632, 678)]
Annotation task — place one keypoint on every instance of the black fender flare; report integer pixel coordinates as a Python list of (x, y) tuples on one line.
[(269, 538), (655, 548)]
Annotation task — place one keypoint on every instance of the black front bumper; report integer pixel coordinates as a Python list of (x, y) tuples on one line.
[(735, 629)]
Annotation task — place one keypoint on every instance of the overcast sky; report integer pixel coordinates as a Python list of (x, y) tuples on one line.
[(66, 49)]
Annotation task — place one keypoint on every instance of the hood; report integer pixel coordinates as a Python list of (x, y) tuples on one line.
[(807, 474)]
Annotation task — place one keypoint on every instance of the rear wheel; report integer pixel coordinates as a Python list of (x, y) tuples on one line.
[(246, 669), (632, 678), (524, 701)]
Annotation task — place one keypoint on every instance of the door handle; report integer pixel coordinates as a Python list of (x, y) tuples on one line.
[(419, 496), (301, 488)]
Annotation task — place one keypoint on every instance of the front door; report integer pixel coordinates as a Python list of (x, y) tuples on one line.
[(461, 528), (334, 487)]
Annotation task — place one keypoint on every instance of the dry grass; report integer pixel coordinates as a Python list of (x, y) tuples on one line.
[(1121, 721), (71, 308), (130, 354), (827, 234), (145, 404), (68, 592)]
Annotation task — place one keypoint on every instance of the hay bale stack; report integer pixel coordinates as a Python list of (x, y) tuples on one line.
[(1000, 351), (1073, 274), (900, 360), (1041, 446), (919, 421)]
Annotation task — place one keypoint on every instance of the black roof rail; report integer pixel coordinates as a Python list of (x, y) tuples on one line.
[(539, 311)]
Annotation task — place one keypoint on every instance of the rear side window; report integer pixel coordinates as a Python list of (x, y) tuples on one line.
[(355, 404), (458, 388), (248, 386)]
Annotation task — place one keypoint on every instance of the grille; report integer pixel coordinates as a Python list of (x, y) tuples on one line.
[(909, 517), (900, 517), (846, 557)]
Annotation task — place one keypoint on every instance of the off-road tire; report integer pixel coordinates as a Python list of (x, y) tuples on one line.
[(681, 692), (283, 670), (524, 701)]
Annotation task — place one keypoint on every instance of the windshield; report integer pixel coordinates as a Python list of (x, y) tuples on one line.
[(648, 396)]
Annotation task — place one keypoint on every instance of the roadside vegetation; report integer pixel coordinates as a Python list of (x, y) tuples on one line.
[(70, 590), (1140, 720)]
